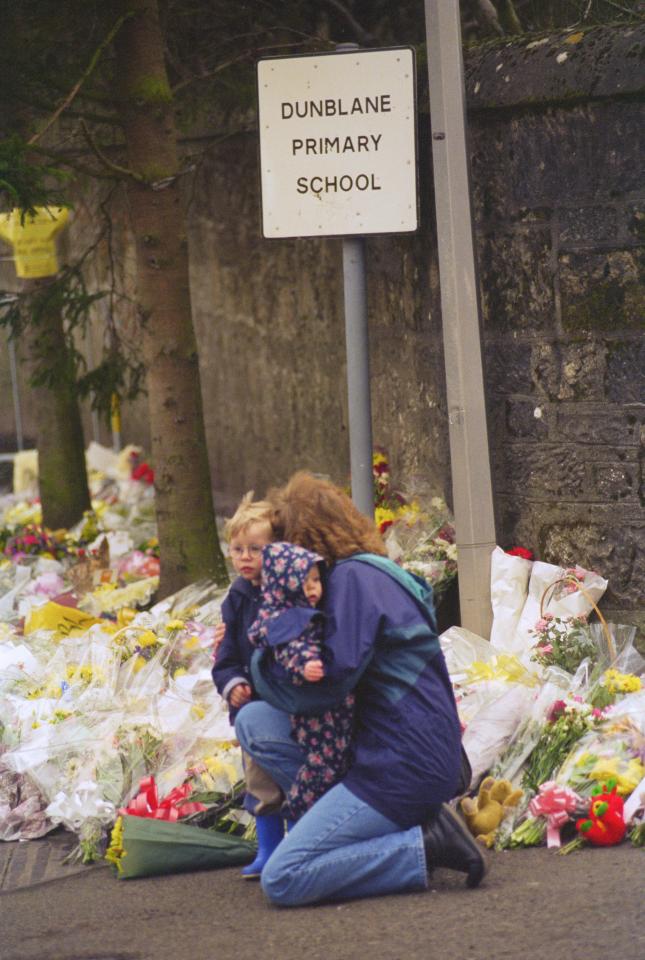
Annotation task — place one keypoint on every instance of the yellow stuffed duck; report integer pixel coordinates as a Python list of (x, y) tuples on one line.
[(484, 813)]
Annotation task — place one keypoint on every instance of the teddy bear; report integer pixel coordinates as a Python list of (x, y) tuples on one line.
[(484, 813)]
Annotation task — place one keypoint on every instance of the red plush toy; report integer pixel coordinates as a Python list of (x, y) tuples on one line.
[(605, 824)]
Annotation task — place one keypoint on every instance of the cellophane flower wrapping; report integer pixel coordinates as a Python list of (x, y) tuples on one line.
[(96, 693), (141, 847), (565, 600), (614, 750), (509, 580), (422, 539), (494, 692)]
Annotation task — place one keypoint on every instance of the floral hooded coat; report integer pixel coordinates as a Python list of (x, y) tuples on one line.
[(293, 631)]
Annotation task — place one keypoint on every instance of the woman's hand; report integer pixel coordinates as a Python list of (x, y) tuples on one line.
[(313, 670), (240, 695)]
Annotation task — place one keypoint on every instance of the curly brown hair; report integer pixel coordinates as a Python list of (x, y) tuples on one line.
[(318, 515)]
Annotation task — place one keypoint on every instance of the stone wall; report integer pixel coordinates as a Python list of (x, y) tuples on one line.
[(559, 197), (559, 201)]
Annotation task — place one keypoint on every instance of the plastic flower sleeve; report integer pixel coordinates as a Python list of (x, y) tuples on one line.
[(614, 751), (528, 732), (566, 601), (509, 579), (492, 727)]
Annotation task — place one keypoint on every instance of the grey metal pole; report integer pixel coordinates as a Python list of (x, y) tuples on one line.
[(358, 373), (358, 364), (469, 454), (15, 394)]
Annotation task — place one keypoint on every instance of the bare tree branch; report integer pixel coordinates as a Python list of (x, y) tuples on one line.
[(115, 167), (85, 76), (362, 35)]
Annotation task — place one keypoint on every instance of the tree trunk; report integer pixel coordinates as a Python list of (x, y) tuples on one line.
[(62, 475), (188, 539)]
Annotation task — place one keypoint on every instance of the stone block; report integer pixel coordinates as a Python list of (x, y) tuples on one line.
[(507, 367), (615, 550), (587, 224), (602, 291), (517, 281), (636, 221), (526, 420), (597, 424), (569, 371), (546, 471), (625, 373), (615, 136), (614, 481)]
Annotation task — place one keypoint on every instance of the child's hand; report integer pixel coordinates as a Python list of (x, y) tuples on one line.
[(240, 695), (314, 670)]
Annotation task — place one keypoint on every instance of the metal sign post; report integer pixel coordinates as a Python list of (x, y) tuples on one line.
[(338, 159), (469, 455), (358, 374)]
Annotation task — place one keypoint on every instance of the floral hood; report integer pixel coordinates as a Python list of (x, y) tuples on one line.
[(285, 567)]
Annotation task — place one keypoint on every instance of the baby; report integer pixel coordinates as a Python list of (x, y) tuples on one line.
[(291, 626)]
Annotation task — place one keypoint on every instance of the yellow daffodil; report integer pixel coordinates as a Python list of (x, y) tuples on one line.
[(175, 625), (139, 664), (147, 639)]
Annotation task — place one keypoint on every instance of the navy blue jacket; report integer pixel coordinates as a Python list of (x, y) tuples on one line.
[(382, 641), (239, 610)]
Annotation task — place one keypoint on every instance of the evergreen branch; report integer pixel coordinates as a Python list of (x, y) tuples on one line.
[(98, 53)]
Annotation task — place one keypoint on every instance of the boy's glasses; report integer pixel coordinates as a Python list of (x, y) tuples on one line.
[(253, 551)]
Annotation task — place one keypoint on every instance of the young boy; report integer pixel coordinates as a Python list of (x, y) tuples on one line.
[(247, 532)]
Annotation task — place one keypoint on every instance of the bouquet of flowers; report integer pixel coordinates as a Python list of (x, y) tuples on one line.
[(562, 642), (566, 723), (614, 750)]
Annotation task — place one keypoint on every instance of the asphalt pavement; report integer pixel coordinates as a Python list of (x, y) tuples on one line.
[(533, 905)]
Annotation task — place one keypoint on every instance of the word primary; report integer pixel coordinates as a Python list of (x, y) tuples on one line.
[(319, 146)]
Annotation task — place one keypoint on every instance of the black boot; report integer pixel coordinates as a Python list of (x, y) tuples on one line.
[(448, 844)]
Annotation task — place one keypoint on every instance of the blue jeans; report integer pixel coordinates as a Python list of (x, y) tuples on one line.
[(342, 848)]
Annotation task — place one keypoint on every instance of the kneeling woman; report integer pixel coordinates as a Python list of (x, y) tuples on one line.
[(387, 824)]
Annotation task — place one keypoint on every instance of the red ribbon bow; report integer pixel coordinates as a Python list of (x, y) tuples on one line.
[(146, 803)]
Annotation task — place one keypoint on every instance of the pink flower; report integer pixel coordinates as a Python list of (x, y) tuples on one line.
[(541, 625), (545, 648), (558, 707)]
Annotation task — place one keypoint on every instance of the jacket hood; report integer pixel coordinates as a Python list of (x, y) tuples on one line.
[(285, 567)]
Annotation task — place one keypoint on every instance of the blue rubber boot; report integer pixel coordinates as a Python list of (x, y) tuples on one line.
[(270, 830)]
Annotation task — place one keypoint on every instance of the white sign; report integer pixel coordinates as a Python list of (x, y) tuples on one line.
[(338, 144)]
